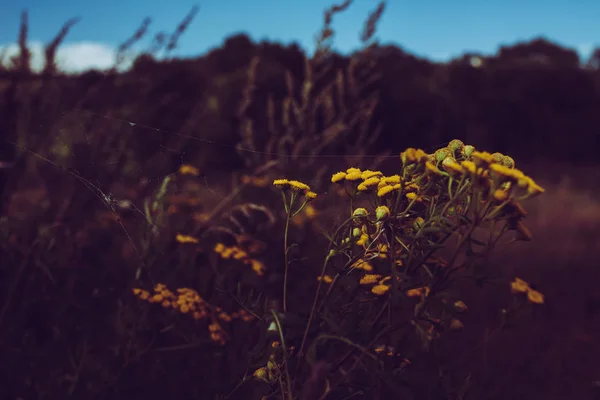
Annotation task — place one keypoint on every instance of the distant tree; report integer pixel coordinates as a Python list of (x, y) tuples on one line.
[(594, 61), (539, 51)]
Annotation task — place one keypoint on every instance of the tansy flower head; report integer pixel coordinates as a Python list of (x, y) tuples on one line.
[(535, 297), (385, 190), (451, 166), (389, 180), (299, 186), (281, 183), (188, 170), (369, 279), (370, 174), (519, 286), (310, 195), (482, 158), (368, 183), (185, 238), (380, 290), (354, 175), (431, 169), (338, 177)]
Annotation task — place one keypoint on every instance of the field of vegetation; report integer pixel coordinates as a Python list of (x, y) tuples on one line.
[(262, 223)]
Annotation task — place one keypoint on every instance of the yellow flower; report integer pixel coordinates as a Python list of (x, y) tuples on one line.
[(299, 187), (385, 190), (505, 173), (469, 166), (369, 279), (353, 170), (412, 155), (500, 195), (363, 265), (354, 176), (338, 177), (367, 174), (368, 183), (326, 278), (411, 196), (417, 292), (389, 180), (519, 286), (533, 189), (432, 169), (482, 158), (535, 297), (281, 183), (257, 266), (362, 240), (188, 170), (185, 238), (451, 166), (380, 290), (310, 195)]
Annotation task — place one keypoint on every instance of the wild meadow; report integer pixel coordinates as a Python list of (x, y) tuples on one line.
[(259, 223)]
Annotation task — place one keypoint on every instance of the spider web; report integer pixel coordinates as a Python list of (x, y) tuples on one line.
[(110, 194)]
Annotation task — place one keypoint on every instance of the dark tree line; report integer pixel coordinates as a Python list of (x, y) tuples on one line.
[(535, 100)]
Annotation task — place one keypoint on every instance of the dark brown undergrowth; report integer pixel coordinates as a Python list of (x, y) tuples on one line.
[(142, 242)]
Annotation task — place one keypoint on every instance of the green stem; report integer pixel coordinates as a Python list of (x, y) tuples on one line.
[(285, 255), (285, 357)]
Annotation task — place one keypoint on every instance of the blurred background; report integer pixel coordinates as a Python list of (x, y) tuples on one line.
[(100, 101)]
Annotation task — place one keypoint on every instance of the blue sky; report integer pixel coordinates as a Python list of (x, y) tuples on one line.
[(437, 29)]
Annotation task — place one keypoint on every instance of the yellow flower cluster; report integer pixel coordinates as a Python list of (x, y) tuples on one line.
[(520, 286), (295, 186), (380, 285), (371, 181), (188, 301), (457, 159), (236, 253)]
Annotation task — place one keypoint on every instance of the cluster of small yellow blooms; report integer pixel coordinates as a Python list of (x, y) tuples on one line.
[(495, 174), (296, 187), (496, 171), (188, 301), (237, 253), (520, 286)]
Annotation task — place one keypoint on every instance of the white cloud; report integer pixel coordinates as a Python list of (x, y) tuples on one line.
[(71, 57), (585, 50)]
